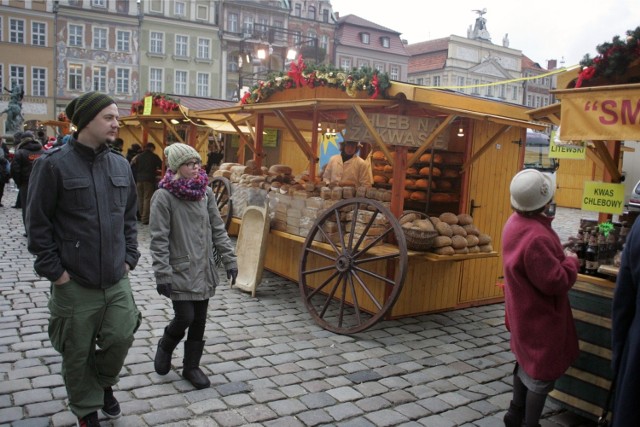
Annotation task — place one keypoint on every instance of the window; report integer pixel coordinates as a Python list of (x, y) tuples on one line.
[(99, 38), (514, 94), (363, 63), (204, 48), (123, 80), (311, 13), (436, 80), (180, 9), (489, 90), (378, 66), (202, 13), (16, 75), (156, 78), (420, 81), (76, 35), (460, 83), (180, 85), (232, 23), (345, 64), (123, 41), (476, 89), (16, 30), (99, 3), (295, 38), (75, 76), (247, 25), (394, 72), (38, 33), (325, 15), (202, 88), (156, 42), (100, 79), (182, 46), (156, 6), (364, 38), (385, 42), (38, 81), (503, 91), (297, 10), (324, 42)]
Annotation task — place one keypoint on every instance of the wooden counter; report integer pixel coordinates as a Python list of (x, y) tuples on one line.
[(584, 387), (433, 282)]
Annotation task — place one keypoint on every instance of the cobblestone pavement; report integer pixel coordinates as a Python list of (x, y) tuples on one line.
[(269, 363)]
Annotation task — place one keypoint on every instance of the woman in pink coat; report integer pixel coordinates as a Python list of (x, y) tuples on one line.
[(538, 275)]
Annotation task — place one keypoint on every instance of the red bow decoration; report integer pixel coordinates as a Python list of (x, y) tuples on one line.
[(295, 71), (374, 83), (245, 98), (586, 74)]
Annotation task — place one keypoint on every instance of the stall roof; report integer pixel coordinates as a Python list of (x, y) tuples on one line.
[(420, 101)]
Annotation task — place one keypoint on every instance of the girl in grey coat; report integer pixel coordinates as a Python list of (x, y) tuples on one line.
[(185, 225)]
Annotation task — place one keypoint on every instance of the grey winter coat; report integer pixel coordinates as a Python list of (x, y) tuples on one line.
[(183, 233)]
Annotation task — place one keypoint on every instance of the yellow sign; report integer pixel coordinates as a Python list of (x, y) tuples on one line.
[(603, 197), (573, 152), (600, 115), (148, 105)]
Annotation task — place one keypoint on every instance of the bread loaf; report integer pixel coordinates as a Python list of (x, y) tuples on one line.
[(471, 229), (444, 229), (472, 240), (458, 230), (465, 219), (484, 239), (449, 218), (441, 241), (445, 250), (458, 242)]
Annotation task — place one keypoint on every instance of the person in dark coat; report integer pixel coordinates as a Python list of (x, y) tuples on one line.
[(28, 152), (625, 332), (146, 166)]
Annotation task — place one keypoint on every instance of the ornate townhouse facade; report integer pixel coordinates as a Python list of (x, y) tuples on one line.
[(203, 49)]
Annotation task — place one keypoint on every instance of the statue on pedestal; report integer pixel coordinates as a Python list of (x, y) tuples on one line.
[(14, 110)]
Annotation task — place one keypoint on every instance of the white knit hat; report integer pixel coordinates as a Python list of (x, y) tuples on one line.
[(530, 190), (177, 154)]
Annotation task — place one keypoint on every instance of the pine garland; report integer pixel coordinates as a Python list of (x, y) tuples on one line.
[(613, 58)]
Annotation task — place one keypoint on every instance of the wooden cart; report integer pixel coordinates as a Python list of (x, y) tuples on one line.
[(349, 286)]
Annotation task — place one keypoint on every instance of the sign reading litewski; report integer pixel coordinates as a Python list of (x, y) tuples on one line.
[(603, 197), (396, 130), (605, 115)]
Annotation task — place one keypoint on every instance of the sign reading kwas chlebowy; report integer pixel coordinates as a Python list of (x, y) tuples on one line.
[(603, 197)]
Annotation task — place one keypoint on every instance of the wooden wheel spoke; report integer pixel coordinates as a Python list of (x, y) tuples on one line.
[(323, 285), (326, 238), (322, 254), (366, 290), (375, 275), (319, 270), (356, 305), (329, 297), (372, 243)]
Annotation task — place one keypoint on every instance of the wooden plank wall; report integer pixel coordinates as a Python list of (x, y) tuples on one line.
[(490, 177), (571, 177)]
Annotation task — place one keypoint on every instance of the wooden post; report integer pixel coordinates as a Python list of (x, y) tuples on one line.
[(399, 174)]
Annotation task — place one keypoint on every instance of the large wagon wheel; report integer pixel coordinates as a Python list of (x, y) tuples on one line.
[(222, 191), (349, 282)]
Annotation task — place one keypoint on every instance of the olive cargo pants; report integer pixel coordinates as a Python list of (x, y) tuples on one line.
[(81, 319)]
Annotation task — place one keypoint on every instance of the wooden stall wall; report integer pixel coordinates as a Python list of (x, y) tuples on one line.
[(571, 177), (490, 176)]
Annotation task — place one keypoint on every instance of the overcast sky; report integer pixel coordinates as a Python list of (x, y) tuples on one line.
[(542, 29)]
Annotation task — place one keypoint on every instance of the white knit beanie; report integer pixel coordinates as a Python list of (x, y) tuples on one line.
[(177, 154)]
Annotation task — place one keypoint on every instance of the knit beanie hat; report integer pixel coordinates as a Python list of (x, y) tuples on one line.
[(86, 107), (177, 154)]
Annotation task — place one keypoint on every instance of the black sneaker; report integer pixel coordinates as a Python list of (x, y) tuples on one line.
[(90, 420), (111, 408)]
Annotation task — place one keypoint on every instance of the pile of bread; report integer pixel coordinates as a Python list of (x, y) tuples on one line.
[(456, 233)]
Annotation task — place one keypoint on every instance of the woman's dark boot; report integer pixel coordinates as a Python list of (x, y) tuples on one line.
[(166, 345), (191, 364), (514, 416)]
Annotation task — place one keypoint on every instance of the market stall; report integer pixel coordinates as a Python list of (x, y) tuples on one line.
[(349, 252), (595, 108)]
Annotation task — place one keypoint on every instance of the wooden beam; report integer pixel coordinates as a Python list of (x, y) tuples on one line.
[(610, 165), (157, 138), (170, 127), (485, 147), (372, 131), (243, 139), (430, 139)]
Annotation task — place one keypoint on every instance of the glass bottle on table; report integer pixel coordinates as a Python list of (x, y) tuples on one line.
[(579, 247), (591, 255)]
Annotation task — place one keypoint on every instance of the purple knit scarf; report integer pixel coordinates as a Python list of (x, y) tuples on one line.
[(185, 188)]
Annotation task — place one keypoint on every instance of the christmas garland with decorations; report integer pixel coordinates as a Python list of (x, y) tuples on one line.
[(165, 102), (303, 75), (613, 58)]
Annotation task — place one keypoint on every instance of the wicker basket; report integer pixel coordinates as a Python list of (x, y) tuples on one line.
[(419, 240)]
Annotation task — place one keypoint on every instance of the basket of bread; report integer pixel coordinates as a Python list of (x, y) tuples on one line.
[(419, 230)]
